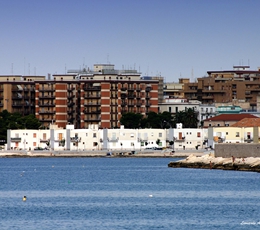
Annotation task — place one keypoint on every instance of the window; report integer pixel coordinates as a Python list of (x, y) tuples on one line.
[(94, 135), (226, 133), (176, 109), (170, 109), (160, 134), (34, 135), (198, 134), (237, 134)]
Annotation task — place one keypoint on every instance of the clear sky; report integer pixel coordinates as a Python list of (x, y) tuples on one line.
[(168, 38)]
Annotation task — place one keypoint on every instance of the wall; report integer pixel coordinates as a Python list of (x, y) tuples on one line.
[(237, 150)]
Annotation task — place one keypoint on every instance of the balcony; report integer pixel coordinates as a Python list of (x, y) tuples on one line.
[(71, 96), (48, 119), (93, 88), (44, 140), (87, 111), (16, 139), (46, 89), (179, 139), (139, 139), (71, 104), (17, 104), (131, 96), (88, 95), (17, 97), (75, 139), (94, 118), (148, 88), (71, 111), (46, 96), (219, 139), (113, 139), (71, 89), (248, 140), (17, 88), (46, 104), (93, 103), (46, 112)]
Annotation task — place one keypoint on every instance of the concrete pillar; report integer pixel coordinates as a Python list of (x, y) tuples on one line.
[(67, 140), (8, 139)]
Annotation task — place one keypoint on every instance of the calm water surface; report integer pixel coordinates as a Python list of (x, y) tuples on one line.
[(124, 193)]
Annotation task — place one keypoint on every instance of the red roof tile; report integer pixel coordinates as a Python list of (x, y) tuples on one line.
[(230, 117), (247, 122)]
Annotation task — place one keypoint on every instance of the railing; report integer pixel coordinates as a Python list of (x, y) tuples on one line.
[(112, 139), (16, 139)]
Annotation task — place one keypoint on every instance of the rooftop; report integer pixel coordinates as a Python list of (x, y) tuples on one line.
[(230, 117), (247, 122)]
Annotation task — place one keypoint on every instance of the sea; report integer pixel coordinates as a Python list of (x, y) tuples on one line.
[(124, 193)]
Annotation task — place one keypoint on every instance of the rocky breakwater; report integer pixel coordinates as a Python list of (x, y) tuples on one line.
[(209, 161)]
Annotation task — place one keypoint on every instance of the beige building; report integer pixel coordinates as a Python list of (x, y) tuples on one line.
[(239, 85), (245, 131)]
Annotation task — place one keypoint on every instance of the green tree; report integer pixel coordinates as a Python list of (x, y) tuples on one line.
[(16, 121), (188, 118), (131, 120)]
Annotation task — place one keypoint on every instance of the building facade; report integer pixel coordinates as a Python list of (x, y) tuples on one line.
[(94, 138), (17, 93), (239, 85), (81, 97)]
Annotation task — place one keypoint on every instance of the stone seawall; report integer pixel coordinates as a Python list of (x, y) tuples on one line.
[(240, 150), (209, 161)]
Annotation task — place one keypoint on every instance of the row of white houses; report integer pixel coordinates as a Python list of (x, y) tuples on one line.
[(106, 139)]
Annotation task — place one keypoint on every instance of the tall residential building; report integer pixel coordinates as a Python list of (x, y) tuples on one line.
[(17, 93), (81, 97)]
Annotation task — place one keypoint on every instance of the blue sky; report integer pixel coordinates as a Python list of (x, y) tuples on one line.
[(169, 38)]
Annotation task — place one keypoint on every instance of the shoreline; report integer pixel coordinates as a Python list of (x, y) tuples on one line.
[(211, 162), (96, 153)]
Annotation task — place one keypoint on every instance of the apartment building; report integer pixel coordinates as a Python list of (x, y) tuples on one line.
[(17, 93), (175, 89), (239, 84), (99, 96), (81, 97)]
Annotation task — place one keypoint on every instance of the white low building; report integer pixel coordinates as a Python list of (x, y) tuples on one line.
[(104, 139)]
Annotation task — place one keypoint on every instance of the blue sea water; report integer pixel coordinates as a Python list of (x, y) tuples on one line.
[(124, 193)]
